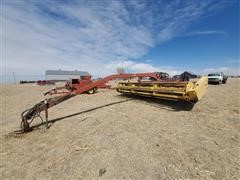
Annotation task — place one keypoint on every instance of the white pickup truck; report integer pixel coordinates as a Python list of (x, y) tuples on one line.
[(217, 78)]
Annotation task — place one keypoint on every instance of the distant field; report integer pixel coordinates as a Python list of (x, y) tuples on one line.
[(136, 138)]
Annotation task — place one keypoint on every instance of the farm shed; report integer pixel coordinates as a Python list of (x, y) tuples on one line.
[(61, 75)]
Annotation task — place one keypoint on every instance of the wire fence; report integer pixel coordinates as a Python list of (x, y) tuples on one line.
[(14, 78)]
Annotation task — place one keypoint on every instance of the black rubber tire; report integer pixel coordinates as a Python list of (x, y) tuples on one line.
[(91, 91)]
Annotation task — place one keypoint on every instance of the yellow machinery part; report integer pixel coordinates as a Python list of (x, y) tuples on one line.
[(179, 91)]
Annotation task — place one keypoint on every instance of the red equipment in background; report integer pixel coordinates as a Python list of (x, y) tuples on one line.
[(44, 82)]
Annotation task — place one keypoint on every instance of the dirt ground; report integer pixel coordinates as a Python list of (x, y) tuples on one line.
[(110, 136)]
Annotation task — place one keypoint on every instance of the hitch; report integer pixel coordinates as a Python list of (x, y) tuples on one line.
[(29, 115)]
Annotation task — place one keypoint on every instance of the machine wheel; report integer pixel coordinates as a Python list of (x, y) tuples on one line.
[(91, 91)]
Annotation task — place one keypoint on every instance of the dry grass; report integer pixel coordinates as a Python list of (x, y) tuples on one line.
[(136, 138)]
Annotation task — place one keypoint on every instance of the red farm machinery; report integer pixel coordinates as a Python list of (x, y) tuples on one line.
[(72, 88)]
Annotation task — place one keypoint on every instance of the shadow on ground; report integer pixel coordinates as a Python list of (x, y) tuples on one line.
[(161, 103), (51, 122)]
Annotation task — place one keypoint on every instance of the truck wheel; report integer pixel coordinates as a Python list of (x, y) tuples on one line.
[(224, 81)]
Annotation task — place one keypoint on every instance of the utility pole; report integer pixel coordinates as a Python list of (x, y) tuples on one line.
[(14, 77)]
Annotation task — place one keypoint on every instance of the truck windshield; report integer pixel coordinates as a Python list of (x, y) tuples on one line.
[(214, 74)]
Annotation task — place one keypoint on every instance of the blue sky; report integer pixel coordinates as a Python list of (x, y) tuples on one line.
[(140, 36)]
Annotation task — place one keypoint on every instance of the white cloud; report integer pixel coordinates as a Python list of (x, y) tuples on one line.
[(95, 36), (133, 66), (225, 70), (209, 32)]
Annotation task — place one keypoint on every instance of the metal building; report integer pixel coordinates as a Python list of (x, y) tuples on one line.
[(61, 75)]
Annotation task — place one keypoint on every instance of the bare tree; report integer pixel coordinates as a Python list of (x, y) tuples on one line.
[(120, 70)]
